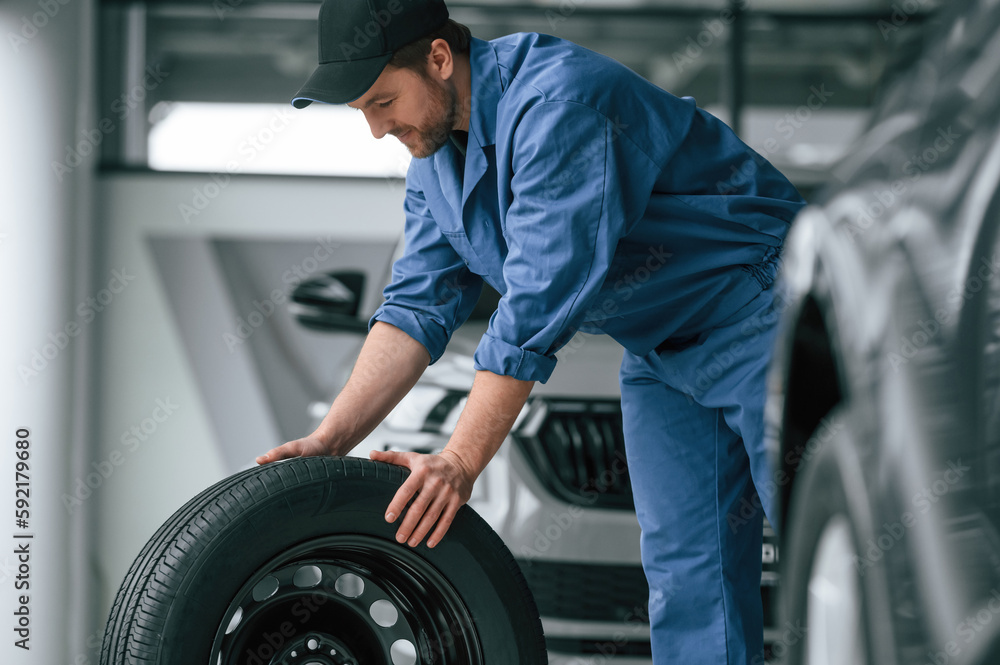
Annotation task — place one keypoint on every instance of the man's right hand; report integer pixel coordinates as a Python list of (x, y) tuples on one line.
[(305, 447)]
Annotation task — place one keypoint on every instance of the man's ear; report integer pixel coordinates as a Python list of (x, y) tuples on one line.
[(440, 61)]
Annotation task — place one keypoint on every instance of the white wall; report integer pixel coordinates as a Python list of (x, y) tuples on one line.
[(46, 73), (142, 359)]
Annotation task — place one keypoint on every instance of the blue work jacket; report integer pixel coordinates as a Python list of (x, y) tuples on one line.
[(590, 200)]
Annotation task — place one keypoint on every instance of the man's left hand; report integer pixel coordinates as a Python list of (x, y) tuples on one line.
[(438, 484)]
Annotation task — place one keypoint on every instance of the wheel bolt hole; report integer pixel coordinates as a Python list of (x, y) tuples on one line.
[(235, 621), (313, 644), (307, 577), (349, 585), (403, 652), (383, 613), (266, 588)]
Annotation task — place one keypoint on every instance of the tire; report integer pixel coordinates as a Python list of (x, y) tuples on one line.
[(293, 562), (824, 600)]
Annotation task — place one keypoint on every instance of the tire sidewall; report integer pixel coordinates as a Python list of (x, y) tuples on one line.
[(818, 497), (317, 508)]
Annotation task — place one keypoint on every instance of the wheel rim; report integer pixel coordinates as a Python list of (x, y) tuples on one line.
[(346, 600), (834, 634)]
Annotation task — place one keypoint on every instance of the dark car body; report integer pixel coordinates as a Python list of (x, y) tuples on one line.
[(886, 380)]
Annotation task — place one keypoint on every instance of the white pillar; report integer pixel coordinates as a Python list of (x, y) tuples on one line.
[(46, 75)]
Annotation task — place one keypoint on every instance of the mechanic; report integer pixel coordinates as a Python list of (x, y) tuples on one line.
[(592, 201)]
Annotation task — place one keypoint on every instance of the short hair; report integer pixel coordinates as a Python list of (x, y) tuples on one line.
[(413, 56)]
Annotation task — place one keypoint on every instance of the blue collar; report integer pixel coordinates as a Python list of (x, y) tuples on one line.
[(458, 182), (486, 90)]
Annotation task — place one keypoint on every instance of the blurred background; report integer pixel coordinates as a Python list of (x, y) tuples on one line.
[(161, 198)]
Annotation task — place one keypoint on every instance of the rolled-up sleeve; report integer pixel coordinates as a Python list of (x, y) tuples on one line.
[(432, 291), (579, 182)]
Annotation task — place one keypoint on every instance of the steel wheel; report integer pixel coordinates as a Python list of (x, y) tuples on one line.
[(355, 599)]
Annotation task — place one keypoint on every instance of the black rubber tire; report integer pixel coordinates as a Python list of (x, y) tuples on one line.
[(818, 497), (175, 596)]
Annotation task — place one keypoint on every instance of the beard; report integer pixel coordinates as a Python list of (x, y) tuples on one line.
[(442, 111)]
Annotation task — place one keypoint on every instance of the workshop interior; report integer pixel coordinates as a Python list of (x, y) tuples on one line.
[(192, 264)]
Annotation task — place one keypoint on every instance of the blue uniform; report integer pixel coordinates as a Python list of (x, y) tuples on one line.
[(594, 201)]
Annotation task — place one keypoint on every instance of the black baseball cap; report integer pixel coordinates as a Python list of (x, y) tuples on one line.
[(357, 39)]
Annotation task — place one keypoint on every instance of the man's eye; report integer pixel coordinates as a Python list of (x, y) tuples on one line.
[(384, 105)]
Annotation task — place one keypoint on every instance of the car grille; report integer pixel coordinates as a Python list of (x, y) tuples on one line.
[(577, 450), (588, 592)]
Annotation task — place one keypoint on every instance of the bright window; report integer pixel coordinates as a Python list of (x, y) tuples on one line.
[(270, 138)]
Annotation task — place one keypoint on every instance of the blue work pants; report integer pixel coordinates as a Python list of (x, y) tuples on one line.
[(693, 419)]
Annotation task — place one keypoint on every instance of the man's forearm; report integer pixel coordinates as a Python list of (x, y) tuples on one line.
[(494, 404), (389, 365), (438, 485)]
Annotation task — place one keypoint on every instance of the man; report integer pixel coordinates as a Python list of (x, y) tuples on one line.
[(591, 200)]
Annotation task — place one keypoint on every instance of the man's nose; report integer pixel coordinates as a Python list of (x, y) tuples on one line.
[(379, 126)]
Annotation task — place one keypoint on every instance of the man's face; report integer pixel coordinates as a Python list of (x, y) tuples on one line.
[(419, 111)]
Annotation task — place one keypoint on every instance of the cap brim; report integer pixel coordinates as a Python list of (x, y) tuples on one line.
[(341, 82)]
